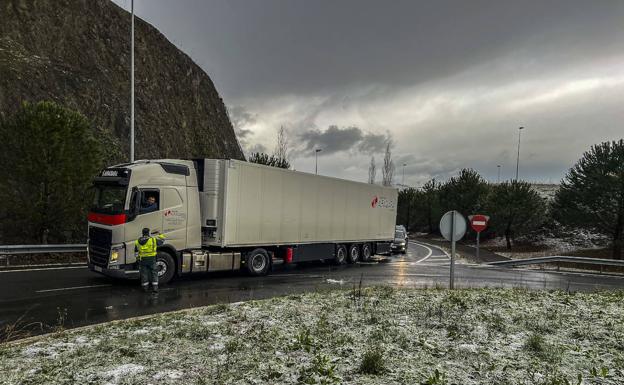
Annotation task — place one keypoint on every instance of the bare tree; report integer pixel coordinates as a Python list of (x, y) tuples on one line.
[(387, 172), (281, 149), (372, 171)]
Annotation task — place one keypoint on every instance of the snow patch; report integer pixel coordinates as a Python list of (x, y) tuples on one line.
[(122, 371)]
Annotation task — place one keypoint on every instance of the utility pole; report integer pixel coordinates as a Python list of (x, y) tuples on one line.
[(316, 160), (498, 178), (518, 159), (132, 83)]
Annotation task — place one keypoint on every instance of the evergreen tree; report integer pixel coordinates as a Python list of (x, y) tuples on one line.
[(592, 193), (48, 161), (407, 198), (430, 203), (269, 160), (465, 192), (514, 209)]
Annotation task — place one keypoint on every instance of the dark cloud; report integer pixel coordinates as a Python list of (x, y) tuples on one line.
[(373, 143), (348, 139), (275, 46)]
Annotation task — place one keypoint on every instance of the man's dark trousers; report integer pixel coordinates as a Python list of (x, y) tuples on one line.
[(148, 272)]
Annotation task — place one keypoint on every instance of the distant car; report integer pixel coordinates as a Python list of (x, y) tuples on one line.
[(399, 244)]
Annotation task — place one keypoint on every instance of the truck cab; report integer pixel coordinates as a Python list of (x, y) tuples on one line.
[(161, 195)]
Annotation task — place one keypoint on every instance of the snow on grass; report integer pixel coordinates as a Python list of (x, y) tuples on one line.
[(379, 336)]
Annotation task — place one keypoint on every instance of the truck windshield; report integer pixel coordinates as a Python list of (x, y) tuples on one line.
[(399, 234), (109, 199)]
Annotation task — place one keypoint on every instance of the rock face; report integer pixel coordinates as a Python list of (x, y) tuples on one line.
[(77, 53)]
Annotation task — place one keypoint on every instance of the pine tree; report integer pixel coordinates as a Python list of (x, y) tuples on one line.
[(592, 193), (268, 160), (465, 192), (48, 161), (514, 209)]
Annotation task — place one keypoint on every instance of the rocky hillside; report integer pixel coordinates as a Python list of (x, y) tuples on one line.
[(77, 52)]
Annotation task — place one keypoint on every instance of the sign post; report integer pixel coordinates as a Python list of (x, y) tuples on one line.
[(478, 223), (453, 228)]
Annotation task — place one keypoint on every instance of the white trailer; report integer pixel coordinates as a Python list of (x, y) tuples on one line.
[(220, 214)]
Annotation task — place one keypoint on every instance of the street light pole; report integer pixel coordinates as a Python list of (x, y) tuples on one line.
[(518, 159), (403, 180), (316, 160), (132, 84), (498, 178)]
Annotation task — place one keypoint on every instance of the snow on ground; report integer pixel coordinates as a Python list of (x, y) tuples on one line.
[(376, 336)]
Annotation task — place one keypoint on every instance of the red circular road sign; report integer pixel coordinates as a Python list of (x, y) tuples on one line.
[(478, 222)]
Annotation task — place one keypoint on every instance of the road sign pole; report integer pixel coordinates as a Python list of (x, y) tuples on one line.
[(452, 228), (478, 234), (452, 272)]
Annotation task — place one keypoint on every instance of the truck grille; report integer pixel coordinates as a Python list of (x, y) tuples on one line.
[(99, 245)]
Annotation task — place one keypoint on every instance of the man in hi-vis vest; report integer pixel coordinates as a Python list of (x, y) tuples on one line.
[(146, 247)]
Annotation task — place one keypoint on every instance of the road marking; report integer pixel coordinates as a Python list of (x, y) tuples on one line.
[(70, 288), (436, 258), (44, 269), (428, 255)]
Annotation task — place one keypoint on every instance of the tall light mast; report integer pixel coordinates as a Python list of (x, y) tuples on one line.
[(132, 84)]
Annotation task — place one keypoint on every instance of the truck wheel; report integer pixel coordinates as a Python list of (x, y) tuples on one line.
[(257, 262), (366, 252), (165, 267), (354, 253), (341, 255)]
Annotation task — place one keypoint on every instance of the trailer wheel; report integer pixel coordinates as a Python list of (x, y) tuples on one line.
[(354, 253), (257, 262), (165, 267), (366, 252), (341, 255)]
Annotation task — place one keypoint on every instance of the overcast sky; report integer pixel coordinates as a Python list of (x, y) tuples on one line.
[(448, 82)]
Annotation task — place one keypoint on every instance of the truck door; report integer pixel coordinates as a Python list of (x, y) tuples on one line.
[(174, 216), (149, 214)]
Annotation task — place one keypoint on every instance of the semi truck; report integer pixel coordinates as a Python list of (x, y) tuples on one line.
[(225, 214)]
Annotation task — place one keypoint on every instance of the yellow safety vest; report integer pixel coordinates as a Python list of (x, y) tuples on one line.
[(148, 249)]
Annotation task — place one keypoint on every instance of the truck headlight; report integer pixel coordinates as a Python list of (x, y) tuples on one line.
[(116, 254)]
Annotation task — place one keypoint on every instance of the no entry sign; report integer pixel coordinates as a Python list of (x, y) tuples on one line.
[(478, 222)]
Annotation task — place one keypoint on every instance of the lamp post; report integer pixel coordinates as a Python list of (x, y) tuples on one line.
[(498, 178), (132, 83), (518, 159), (316, 159), (403, 179)]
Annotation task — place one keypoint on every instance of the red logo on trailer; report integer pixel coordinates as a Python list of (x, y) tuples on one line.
[(478, 222), (374, 202)]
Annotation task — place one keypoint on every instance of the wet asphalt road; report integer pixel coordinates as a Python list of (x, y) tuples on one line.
[(75, 296)]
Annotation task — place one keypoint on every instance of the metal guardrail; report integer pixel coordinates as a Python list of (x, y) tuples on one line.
[(559, 258), (7, 250), (42, 249)]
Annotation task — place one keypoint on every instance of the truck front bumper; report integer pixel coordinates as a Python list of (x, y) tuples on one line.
[(123, 272)]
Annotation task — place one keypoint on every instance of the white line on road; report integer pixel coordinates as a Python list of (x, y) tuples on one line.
[(70, 288), (43, 269), (426, 247)]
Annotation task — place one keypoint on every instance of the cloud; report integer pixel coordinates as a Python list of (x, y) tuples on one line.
[(347, 139)]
